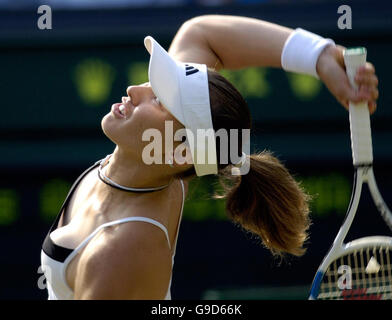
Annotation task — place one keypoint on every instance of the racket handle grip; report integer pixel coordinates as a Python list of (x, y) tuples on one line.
[(361, 137)]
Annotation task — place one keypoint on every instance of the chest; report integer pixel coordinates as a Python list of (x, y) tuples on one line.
[(85, 212), (80, 216)]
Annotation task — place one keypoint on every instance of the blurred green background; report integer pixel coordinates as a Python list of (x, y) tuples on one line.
[(56, 85)]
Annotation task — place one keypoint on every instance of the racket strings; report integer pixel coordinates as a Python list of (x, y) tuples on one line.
[(363, 274)]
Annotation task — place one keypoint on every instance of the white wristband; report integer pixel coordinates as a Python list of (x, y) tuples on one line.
[(301, 51)]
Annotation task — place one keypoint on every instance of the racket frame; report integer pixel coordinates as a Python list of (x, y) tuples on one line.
[(363, 174), (362, 153)]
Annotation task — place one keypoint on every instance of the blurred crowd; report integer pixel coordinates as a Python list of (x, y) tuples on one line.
[(21, 4)]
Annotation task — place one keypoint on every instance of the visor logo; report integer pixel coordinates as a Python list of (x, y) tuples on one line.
[(190, 70)]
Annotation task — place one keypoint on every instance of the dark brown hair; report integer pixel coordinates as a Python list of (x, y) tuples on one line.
[(267, 201)]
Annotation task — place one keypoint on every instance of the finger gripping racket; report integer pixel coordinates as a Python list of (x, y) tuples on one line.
[(360, 269)]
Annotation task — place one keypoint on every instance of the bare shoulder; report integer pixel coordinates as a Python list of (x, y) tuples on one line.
[(126, 261)]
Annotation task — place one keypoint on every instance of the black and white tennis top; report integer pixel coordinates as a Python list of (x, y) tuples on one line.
[(55, 259)]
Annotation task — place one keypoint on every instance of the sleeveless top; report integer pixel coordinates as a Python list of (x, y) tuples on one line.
[(55, 258)]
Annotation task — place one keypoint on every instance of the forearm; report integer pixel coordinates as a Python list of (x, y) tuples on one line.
[(230, 42)]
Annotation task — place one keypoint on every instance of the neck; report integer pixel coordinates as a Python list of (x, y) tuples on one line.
[(128, 170)]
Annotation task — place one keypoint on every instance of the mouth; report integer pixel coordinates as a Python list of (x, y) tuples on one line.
[(122, 110)]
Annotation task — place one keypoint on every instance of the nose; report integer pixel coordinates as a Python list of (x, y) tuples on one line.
[(136, 93), (130, 91)]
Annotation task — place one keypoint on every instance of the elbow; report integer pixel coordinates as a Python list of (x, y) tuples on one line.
[(192, 27), (196, 21), (205, 18), (199, 24)]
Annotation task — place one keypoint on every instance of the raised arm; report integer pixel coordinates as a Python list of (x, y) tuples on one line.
[(229, 42), (233, 42)]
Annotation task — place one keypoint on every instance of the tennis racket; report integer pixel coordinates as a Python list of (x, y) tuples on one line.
[(360, 269)]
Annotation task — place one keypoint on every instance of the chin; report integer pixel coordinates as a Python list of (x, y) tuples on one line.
[(115, 132), (107, 126)]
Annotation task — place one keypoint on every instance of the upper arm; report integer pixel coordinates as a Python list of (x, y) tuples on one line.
[(129, 261)]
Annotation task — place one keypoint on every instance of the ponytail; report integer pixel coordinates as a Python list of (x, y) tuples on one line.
[(267, 200), (269, 203)]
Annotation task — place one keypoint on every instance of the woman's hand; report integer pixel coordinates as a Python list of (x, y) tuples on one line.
[(331, 70)]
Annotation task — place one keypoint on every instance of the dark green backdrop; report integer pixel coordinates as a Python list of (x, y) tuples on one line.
[(56, 87)]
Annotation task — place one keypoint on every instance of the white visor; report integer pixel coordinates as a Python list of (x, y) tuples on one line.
[(182, 89)]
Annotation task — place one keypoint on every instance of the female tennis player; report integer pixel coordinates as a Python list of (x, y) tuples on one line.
[(116, 233)]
